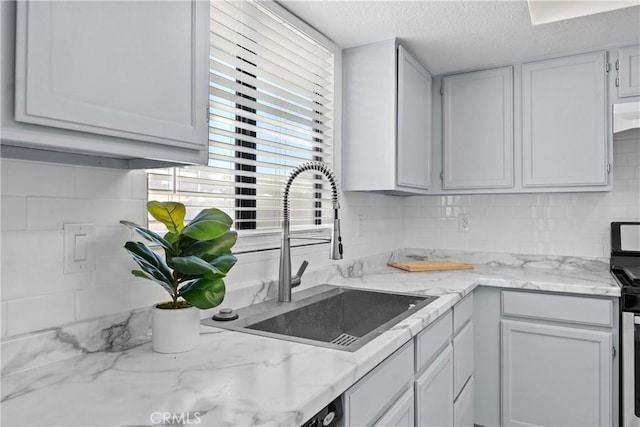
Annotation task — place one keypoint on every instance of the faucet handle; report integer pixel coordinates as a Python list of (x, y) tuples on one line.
[(295, 280)]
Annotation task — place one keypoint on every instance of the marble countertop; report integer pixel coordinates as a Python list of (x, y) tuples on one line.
[(237, 379)]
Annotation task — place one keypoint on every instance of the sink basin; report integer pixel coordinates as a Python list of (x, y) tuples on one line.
[(327, 316)]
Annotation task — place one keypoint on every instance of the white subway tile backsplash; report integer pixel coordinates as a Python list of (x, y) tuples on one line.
[(143, 294), (40, 295), (3, 319), (39, 312), (22, 178), (22, 280), (139, 185), (53, 213), (101, 301), (13, 213), (112, 183), (574, 224), (20, 248)]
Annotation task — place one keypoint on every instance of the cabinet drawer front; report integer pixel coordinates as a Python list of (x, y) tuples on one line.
[(430, 341), (462, 358), (590, 311), (462, 312), (370, 396)]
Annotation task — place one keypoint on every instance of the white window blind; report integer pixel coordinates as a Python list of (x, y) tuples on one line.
[(271, 106)]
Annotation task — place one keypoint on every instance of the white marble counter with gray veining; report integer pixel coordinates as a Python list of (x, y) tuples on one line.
[(236, 379)]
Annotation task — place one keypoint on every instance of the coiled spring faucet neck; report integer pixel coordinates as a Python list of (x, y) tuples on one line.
[(286, 282)]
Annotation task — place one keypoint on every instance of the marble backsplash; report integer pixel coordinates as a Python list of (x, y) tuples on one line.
[(119, 332)]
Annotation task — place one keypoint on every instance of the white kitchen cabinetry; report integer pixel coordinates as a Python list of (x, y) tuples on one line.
[(564, 111), (463, 411), (379, 390), (398, 393), (126, 81), (401, 414), (628, 68), (444, 392), (387, 120), (434, 392), (478, 129), (555, 375), (545, 359)]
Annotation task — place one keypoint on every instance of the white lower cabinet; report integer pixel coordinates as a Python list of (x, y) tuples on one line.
[(401, 414), (545, 359), (375, 393), (463, 414), (555, 375), (462, 358), (415, 385), (434, 392)]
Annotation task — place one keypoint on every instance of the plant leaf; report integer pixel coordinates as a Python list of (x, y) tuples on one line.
[(215, 247), (172, 237), (194, 266), (208, 224), (152, 264), (149, 235), (171, 214), (143, 275), (224, 263), (204, 293)]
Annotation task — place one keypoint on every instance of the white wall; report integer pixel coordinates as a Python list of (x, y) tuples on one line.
[(38, 198), (572, 224)]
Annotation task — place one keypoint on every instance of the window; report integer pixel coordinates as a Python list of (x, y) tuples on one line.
[(271, 106)]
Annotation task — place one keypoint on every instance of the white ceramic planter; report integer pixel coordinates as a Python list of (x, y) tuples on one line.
[(175, 331)]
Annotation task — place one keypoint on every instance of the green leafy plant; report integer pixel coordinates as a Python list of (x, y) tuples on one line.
[(197, 256)]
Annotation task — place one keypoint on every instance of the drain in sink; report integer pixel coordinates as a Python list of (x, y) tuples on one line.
[(344, 339)]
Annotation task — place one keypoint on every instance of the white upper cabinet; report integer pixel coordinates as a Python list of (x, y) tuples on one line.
[(478, 129), (628, 67), (414, 122), (564, 110), (121, 79), (386, 120)]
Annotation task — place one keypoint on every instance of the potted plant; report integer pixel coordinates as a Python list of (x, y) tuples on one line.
[(196, 258)]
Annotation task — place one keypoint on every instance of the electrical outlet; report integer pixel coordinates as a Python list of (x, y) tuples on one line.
[(463, 223)]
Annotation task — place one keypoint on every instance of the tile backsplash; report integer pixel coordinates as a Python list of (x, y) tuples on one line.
[(571, 224), (39, 198)]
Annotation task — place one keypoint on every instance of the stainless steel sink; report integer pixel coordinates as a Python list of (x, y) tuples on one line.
[(327, 316)]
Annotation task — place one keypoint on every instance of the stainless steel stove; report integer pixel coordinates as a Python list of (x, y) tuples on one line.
[(625, 267)]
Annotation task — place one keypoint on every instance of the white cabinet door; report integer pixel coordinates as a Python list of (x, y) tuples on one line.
[(401, 414), (414, 122), (628, 71), (478, 129), (555, 375), (434, 392), (462, 358), (564, 108), (463, 412), (387, 121), (135, 70)]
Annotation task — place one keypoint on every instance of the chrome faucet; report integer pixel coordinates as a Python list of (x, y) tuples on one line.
[(285, 281)]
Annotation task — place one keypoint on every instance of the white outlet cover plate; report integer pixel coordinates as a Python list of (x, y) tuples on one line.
[(79, 248)]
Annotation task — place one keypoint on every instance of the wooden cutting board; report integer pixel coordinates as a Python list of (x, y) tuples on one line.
[(430, 265)]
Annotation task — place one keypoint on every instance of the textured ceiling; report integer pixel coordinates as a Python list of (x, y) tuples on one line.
[(449, 36)]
